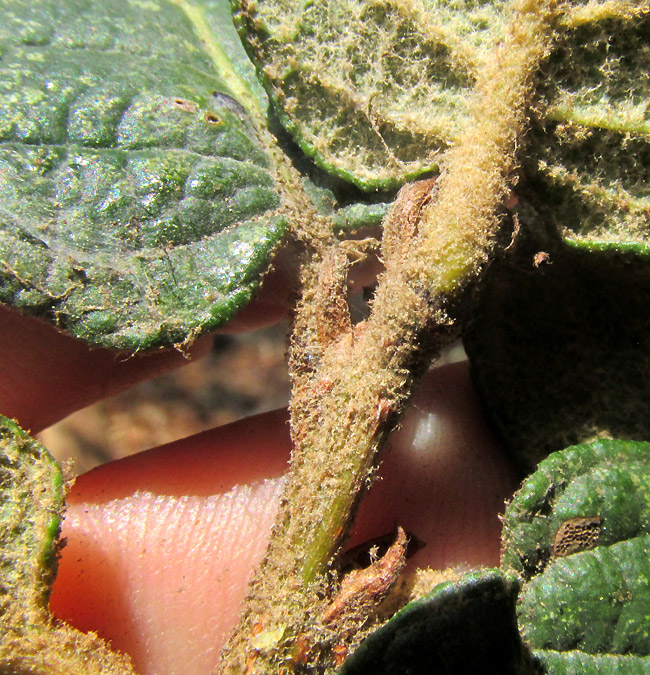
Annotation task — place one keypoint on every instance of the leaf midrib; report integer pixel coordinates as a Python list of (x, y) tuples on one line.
[(222, 63)]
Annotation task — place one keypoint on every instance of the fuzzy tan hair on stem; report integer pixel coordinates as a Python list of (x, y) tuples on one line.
[(350, 383)]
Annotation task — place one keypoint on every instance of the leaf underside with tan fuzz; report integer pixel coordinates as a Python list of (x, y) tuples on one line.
[(374, 91), (137, 205), (588, 155), (31, 507)]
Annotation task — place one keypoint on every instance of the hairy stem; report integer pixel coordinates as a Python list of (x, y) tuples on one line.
[(350, 383)]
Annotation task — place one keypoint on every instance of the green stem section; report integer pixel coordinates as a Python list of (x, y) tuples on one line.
[(351, 383)]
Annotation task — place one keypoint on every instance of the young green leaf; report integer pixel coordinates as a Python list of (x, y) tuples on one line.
[(137, 204), (31, 507)]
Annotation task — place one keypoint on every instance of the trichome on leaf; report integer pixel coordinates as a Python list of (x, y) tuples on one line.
[(139, 209)]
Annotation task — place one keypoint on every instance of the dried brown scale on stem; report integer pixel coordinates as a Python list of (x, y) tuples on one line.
[(368, 587), (400, 225), (350, 387), (330, 298)]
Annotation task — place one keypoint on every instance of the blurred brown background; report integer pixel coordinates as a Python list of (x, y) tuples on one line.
[(243, 375)]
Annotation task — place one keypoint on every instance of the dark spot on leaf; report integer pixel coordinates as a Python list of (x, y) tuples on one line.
[(211, 118), (576, 534), (185, 105)]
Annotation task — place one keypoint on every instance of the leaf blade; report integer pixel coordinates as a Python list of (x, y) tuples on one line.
[(122, 186), (373, 91), (590, 154), (467, 625), (589, 597), (31, 510)]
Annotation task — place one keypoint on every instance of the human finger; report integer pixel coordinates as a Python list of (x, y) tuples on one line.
[(161, 545), (48, 374)]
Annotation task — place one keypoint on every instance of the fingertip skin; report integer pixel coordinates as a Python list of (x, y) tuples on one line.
[(443, 477), (208, 463), (50, 374), (161, 544)]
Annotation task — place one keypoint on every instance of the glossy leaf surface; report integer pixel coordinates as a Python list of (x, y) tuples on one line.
[(137, 205)]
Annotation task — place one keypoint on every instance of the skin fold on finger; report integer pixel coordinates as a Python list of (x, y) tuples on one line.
[(162, 544), (48, 374)]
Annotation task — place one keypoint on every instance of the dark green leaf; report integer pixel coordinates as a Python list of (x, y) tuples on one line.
[(137, 205), (602, 489), (561, 352), (467, 626), (578, 531), (595, 601)]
